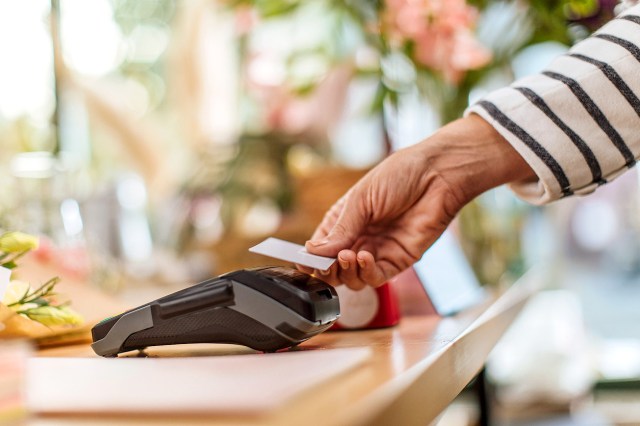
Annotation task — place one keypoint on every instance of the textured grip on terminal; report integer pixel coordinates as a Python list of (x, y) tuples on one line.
[(228, 326)]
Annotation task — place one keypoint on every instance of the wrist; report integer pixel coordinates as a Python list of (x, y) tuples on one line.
[(472, 157)]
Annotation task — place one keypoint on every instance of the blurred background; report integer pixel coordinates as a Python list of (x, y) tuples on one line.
[(154, 141)]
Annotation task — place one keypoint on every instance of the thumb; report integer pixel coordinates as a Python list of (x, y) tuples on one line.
[(342, 235)]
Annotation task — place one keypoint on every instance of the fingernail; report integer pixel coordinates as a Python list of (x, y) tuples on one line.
[(361, 263), (317, 243), (325, 273), (343, 264)]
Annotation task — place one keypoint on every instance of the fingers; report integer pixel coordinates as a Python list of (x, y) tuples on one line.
[(330, 275), (348, 273), (369, 271), (356, 271), (340, 227), (304, 269)]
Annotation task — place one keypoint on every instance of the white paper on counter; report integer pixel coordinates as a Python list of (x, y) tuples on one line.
[(251, 383)]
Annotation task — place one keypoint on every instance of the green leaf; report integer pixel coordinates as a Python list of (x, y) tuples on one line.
[(378, 100), (10, 265), (276, 8)]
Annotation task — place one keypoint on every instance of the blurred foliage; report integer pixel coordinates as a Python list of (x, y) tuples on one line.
[(254, 169), (134, 17), (542, 20), (129, 14), (256, 166), (352, 27), (491, 234)]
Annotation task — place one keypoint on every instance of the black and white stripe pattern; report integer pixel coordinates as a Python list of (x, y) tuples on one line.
[(538, 149), (590, 158), (578, 123), (632, 18), (614, 78), (595, 113)]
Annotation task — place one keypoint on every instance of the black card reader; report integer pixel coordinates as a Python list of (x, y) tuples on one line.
[(267, 309)]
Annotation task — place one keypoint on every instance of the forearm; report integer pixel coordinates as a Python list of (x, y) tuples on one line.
[(472, 157)]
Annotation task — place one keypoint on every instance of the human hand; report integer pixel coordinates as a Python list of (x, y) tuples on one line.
[(385, 222)]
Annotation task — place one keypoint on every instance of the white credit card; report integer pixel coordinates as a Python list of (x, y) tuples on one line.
[(292, 252)]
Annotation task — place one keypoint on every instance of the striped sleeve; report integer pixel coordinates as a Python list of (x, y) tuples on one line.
[(577, 124)]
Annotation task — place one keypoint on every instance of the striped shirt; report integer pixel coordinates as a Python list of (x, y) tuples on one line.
[(577, 124)]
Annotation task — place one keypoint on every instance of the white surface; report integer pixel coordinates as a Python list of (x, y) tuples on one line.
[(5, 276), (231, 384), (291, 252)]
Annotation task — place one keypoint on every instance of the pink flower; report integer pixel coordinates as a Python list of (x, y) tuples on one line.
[(468, 53), (314, 114), (441, 33)]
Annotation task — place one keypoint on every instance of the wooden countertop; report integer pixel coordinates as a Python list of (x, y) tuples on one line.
[(416, 369)]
